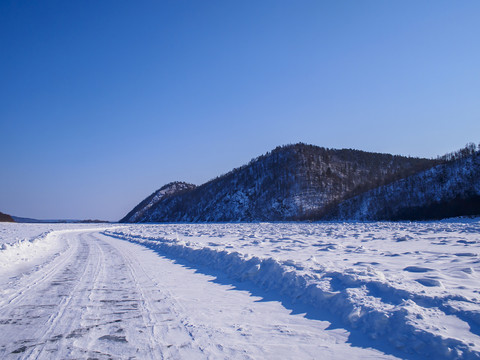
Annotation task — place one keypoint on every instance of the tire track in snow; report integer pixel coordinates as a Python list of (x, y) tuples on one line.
[(31, 316), (114, 314), (106, 298), (69, 284), (90, 303), (160, 308), (38, 275)]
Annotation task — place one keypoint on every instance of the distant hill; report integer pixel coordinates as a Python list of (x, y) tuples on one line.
[(26, 220), (447, 190), (6, 218), (293, 182), (35, 221), (55, 221)]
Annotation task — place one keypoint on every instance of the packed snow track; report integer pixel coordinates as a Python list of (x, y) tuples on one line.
[(89, 295)]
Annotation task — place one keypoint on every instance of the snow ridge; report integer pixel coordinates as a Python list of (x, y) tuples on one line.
[(22, 243), (21, 246), (373, 306), (13, 254)]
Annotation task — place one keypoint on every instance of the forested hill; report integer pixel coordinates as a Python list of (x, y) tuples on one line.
[(6, 218), (447, 190), (292, 182), (164, 192)]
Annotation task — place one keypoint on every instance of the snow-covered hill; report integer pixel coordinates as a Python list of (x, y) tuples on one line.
[(173, 188), (289, 183), (447, 190)]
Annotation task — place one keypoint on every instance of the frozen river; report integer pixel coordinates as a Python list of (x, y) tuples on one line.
[(247, 291)]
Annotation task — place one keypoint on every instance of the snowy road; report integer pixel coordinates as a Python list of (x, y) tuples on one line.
[(101, 297)]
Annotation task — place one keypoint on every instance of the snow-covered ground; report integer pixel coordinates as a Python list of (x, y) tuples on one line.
[(286, 290)]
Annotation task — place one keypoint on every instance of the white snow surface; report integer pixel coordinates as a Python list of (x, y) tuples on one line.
[(241, 291), (411, 285)]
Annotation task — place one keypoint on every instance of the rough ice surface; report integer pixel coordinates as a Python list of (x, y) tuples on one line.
[(259, 290)]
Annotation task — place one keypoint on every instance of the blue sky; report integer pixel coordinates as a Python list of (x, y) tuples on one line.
[(103, 102)]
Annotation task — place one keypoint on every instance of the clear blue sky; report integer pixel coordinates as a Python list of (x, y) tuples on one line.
[(103, 102)]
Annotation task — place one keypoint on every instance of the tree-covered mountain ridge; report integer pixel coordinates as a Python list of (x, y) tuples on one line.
[(293, 182), (449, 189)]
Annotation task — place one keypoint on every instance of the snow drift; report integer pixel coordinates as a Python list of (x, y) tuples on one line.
[(417, 312)]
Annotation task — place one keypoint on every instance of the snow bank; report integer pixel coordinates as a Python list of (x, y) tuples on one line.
[(22, 243), (417, 317), (22, 250)]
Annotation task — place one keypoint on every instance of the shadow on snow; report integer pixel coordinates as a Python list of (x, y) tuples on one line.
[(356, 338)]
